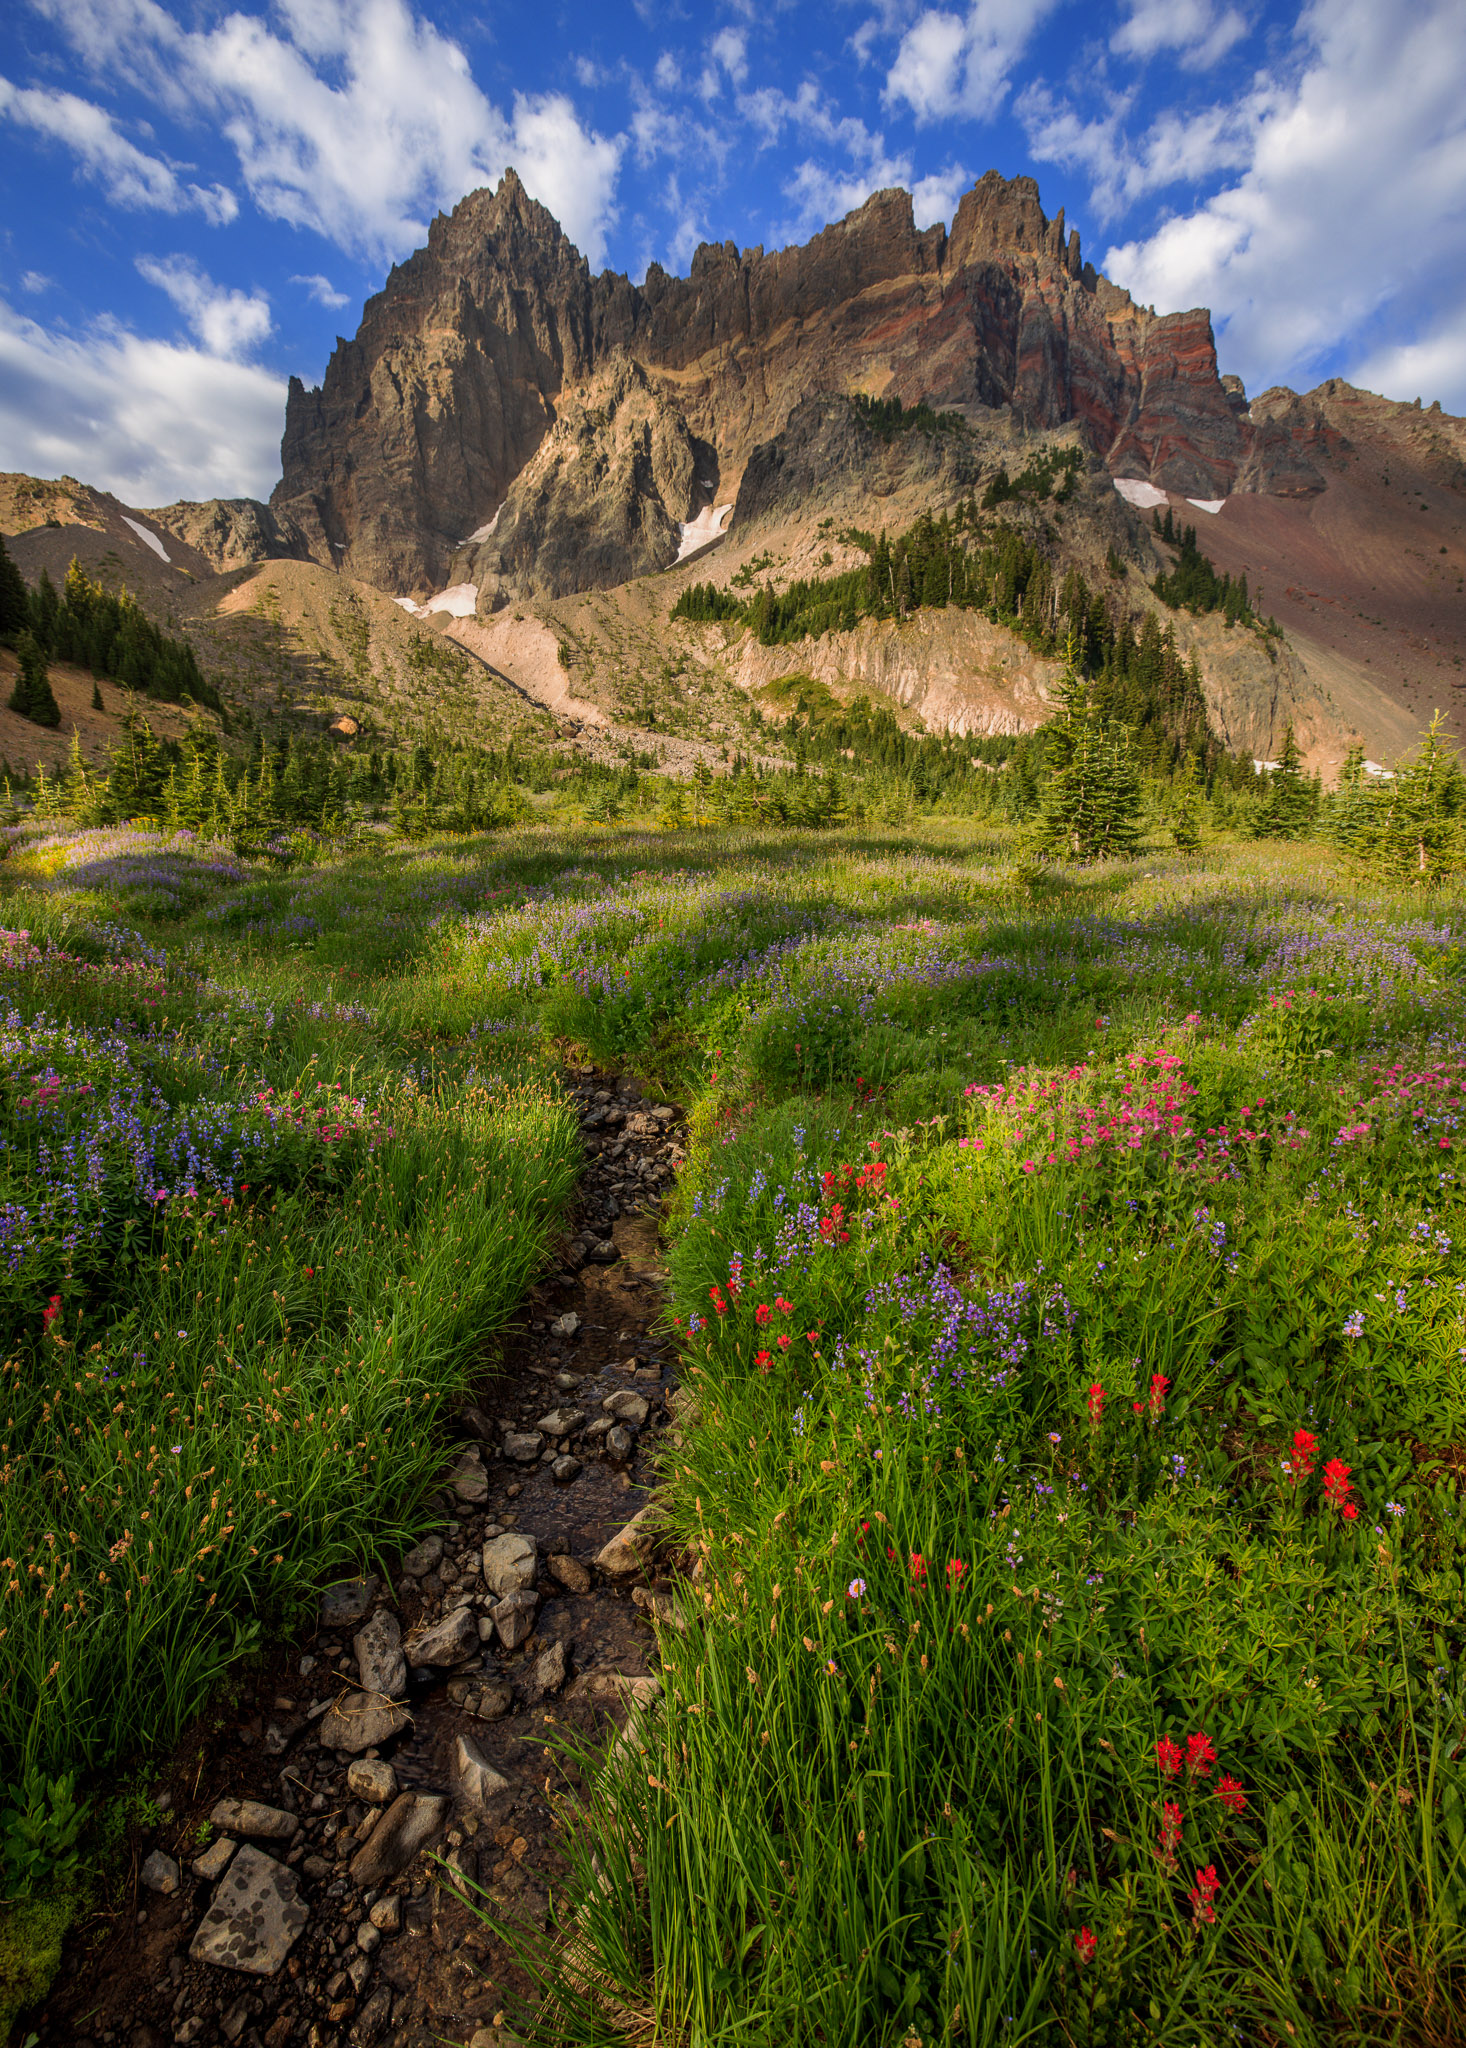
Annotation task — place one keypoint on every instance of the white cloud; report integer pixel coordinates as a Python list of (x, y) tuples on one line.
[(1348, 214), (321, 289), (1194, 28), (228, 323), (1433, 366), (150, 420), (935, 197), (129, 176), (730, 49), (955, 64), (353, 117), (1176, 148), (36, 281), (668, 74)]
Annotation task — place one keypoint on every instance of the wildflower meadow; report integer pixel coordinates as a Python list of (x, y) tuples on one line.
[(1070, 1277)]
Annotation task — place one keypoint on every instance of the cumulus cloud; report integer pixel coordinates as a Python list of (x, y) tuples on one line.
[(356, 118), (730, 49), (228, 323), (152, 421), (1347, 216), (1174, 147), (1196, 30), (959, 64), (128, 175), (321, 289)]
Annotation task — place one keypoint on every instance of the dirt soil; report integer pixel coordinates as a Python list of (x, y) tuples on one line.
[(431, 1972)]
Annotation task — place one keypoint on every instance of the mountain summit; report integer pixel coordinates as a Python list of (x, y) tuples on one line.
[(496, 340)]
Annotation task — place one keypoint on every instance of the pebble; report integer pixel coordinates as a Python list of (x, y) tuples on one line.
[(561, 1421), (355, 1721), (624, 1552), (387, 1913), (214, 1860), (626, 1406), (368, 1938), (345, 1605), (523, 1446), (513, 1616), (447, 1642), (566, 1325), (160, 1874), (548, 1672), (475, 1781), (509, 1562), (565, 1469), (620, 1443), (412, 1821), (570, 1573), (420, 1560), (251, 1817), (368, 1778), (379, 1659)]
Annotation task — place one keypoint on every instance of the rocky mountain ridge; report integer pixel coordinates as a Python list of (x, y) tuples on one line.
[(465, 360)]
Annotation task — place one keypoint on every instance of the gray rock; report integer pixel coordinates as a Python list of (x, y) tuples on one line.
[(160, 1874), (379, 1658), (469, 1480), (368, 1778), (251, 1817), (475, 1781), (387, 1913), (447, 1642), (412, 1821), (570, 1573), (566, 1325), (561, 1421), (564, 1470), (523, 1446), (509, 1562), (606, 1253), (420, 1560), (547, 1673), (368, 1938), (626, 1406), (602, 1426), (629, 1546), (345, 1605), (356, 1721), (214, 1861), (620, 1443), (374, 2018), (256, 1916), (513, 1616), (490, 1701)]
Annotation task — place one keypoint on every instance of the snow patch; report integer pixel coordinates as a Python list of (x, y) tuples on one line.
[(1138, 493), (696, 533), (1212, 505), (148, 539), (408, 604), (459, 600), (481, 533)]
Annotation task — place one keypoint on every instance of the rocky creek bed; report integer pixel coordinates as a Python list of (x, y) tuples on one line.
[(323, 1844)]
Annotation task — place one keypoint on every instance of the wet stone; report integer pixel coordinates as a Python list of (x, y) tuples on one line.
[(370, 1779), (627, 1549), (256, 1916), (514, 1615), (570, 1573), (561, 1421), (565, 1469), (490, 1701), (412, 1821), (214, 1860), (509, 1562), (626, 1406), (475, 1781), (251, 1817), (620, 1443), (548, 1672), (523, 1447)]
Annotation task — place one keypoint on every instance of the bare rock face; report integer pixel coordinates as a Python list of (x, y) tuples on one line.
[(549, 430), (231, 533)]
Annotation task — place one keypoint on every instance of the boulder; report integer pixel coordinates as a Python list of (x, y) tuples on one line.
[(256, 1916), (509, 1562)]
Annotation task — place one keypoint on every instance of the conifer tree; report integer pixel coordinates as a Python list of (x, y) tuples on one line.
[(1091, 788), (1419, 835), (1187, 828), (33, 696), (14, 600), (1287, 809)]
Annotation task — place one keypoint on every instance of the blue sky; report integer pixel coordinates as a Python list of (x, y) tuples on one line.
[(194, 200)]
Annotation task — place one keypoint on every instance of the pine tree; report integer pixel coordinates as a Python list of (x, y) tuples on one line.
[(33, 696), (1187, 828), (14, 600), (1091, 788), (1287, 809), (97, 704), (1419, 836)]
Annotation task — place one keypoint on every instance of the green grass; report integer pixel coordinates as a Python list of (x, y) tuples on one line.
[(1076, 1198)]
